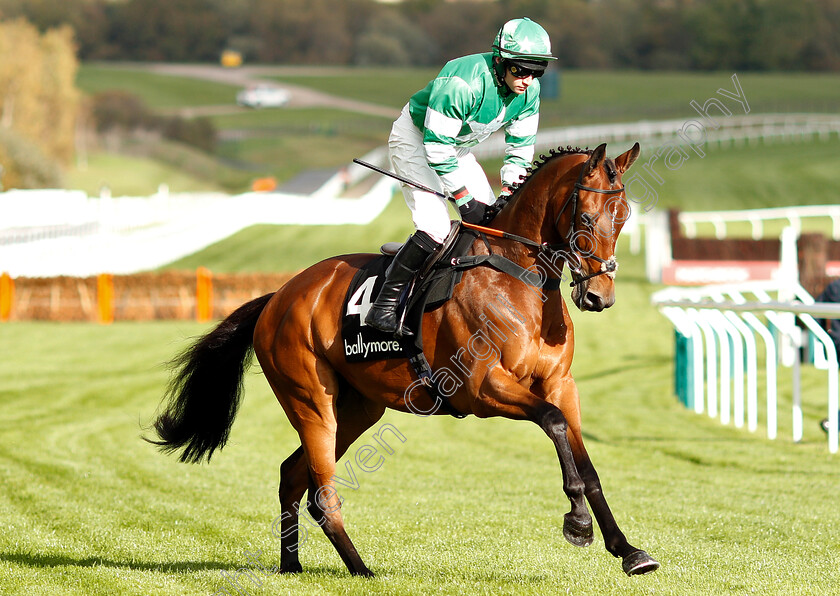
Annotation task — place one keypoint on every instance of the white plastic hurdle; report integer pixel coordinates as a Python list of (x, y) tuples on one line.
[(756, 218), (720, 326)]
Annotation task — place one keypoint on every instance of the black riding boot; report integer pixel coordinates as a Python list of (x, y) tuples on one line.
[(383, 313)]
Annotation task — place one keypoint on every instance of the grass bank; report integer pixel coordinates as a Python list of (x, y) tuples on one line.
[(283, 142)]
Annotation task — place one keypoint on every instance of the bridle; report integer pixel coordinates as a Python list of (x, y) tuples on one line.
[(567, 249)]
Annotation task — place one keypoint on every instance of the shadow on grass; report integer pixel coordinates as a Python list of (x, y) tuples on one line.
[(37, 560), (46, 561), (684, 448), (640, 363), (323, 571)]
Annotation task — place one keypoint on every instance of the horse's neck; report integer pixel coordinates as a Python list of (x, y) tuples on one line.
[(530, 214)]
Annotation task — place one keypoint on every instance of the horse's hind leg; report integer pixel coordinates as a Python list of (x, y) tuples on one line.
[(293, 480), (320, 443), (354, 415)]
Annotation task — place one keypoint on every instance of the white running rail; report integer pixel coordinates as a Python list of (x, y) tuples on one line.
[(713, 318), (56, 232), (70, 233), (733, 129)]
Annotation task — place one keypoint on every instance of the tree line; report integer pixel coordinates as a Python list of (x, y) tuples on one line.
[(38, 104), (43, 115), (638, 34)]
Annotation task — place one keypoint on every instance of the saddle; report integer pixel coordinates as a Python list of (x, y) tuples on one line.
[(436, 280)]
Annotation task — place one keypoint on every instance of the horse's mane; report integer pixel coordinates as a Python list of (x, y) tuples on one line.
[(552, 154), (529, 171)]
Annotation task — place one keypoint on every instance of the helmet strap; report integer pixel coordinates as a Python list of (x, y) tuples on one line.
[(499, 69)]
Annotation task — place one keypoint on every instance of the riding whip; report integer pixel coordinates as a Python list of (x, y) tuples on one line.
[(402, 179), (486, 230)]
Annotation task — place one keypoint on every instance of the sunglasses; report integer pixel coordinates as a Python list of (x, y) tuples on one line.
[(523, 73)]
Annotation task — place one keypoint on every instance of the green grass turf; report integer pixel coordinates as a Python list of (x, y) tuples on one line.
[(752, 176), (158, 91), (472, 506), (745, 176), (593, 96), (132, 176), (314, 121), (585, 96), (287, 155), (384, 86), (286, 142)]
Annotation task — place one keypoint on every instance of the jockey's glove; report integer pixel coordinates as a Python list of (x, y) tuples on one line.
[(505, 193), (471, 210), (491, 211)]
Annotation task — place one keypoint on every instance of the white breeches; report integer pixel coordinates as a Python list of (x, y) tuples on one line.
[(430, 212)]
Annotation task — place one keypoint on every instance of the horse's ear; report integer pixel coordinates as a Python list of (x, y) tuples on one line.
[(596, 159), (626, 159)]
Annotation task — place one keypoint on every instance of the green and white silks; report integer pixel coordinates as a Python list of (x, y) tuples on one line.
[(463, 106)]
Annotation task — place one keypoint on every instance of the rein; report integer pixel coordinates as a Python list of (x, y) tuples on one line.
[(566, 249)]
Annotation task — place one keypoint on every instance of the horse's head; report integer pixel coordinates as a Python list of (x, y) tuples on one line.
[(589, 216), (572, 205)]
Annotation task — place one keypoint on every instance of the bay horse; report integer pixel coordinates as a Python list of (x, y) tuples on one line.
[(573, 200)]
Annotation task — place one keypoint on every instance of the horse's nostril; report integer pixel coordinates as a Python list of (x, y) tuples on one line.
[(593, 302)]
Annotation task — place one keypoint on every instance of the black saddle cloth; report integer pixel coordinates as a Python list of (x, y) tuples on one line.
[(363, 343)]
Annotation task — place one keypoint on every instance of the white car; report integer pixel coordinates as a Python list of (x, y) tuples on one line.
[(263, 96)]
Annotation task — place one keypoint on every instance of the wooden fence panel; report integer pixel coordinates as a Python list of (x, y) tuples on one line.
[(138, 297)]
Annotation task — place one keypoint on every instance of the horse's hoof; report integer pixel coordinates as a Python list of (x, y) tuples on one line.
[(638, 563), (291, 568), (364, 572), (579, 534)]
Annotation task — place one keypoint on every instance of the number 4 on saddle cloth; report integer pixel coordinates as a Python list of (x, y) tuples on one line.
[(430, 288)]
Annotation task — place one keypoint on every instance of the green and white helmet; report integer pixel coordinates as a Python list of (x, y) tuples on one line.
[(523, 39)]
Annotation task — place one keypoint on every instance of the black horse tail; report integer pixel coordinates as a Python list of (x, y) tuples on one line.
[(203, 395)]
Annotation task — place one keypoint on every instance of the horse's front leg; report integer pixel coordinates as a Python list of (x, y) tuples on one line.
[(634, 561), (501, 395), (577, 524)]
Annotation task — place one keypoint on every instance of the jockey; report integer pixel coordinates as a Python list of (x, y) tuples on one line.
[(430, 143)]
